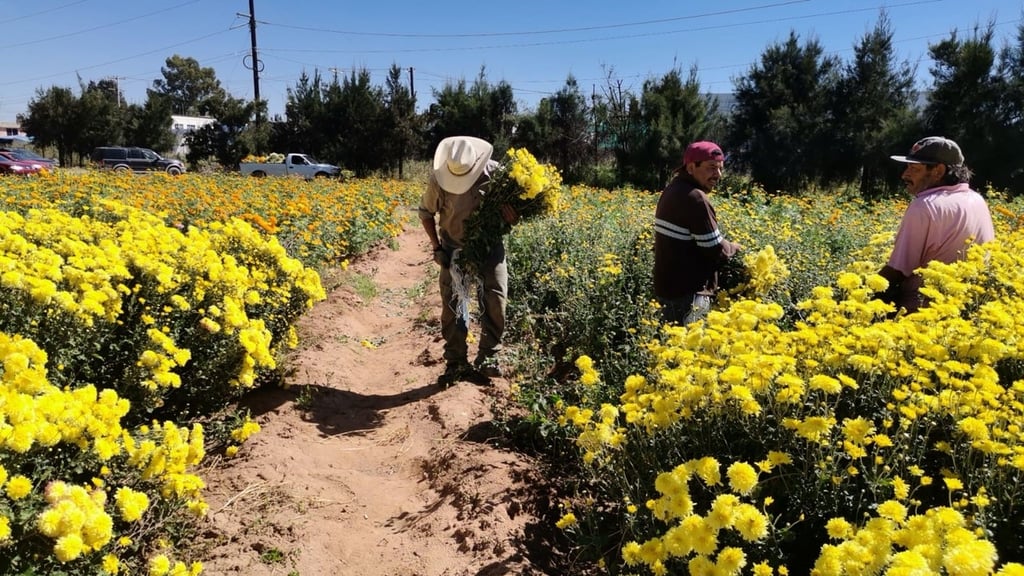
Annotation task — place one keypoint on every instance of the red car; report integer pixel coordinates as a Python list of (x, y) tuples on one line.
[(16, 167), (25, 155)]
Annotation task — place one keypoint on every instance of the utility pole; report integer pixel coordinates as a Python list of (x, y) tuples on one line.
[(593, 112), (117, 88), (255, 60), (412, 86)]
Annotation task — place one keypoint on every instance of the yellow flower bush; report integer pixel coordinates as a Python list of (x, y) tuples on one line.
[(163, 282), (694, 538), (820, 406), (853, 395), (131, 302), (580, 274), (36, 417), (318, 222), (76, 519)]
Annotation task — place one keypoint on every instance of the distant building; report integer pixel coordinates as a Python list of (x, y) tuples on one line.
[(725, 100), (11, 131), (182, 126)]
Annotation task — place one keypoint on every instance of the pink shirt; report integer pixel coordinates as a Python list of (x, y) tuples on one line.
[(937, 225)]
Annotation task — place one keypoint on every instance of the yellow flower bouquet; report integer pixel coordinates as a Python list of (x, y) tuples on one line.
[(757, 275), (528, 186)]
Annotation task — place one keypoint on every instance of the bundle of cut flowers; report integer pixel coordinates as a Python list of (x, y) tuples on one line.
[(532, 189), (760, 274), (272, 158)]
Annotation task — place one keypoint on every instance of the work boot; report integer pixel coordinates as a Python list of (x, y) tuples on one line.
[(454, 371), (488, 367)]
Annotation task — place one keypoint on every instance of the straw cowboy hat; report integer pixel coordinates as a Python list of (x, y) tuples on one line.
[(459, 161)]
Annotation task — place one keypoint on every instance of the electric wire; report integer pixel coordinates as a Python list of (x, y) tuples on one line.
[(42, 12), (416, 49), (537, 32), (101, 27), (278, 53)]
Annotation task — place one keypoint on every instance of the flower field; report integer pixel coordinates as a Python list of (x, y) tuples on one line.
[(801, 428), (134, 311)]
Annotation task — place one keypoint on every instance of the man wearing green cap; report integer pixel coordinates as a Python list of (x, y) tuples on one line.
[(942, 220)]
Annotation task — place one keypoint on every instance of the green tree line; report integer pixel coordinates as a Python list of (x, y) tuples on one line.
[(800, 118)]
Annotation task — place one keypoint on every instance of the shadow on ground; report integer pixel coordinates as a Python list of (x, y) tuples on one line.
[(335, 411)]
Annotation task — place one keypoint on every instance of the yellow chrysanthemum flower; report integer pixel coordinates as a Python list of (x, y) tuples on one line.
[(742, 477), (5, 528), (18, 487), (569, 519), (131, 504)]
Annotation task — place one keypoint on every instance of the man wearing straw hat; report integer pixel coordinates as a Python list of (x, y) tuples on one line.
[(461, 170)]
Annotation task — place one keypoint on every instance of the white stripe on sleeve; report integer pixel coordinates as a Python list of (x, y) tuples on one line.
[(666, 228), (709, 240)]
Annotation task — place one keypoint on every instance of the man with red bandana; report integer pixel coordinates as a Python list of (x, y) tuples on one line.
[(942, 220), (689, 249)]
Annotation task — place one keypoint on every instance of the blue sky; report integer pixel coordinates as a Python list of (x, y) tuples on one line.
[(533, 45)]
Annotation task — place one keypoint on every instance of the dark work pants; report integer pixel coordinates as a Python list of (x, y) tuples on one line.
[(492, 296), (682, 311)]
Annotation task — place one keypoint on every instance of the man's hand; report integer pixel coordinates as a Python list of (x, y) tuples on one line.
[(509, 215), (442, 257)]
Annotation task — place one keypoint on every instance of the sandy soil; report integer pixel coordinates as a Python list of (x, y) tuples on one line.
[(364, 465)]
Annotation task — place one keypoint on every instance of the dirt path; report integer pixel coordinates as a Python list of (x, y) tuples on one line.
[(365, 466)]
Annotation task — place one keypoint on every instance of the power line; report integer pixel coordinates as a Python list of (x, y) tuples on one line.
[(42, 12), (134, 77), (93, 29), (280, 53), (704, 68), (606, 38), (119, 60), (314, 65), (537, 32)]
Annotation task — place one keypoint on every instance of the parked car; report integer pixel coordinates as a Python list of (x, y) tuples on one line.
[(26, 155), (38, 165), (289, 165), (16, 167), (136, 159)]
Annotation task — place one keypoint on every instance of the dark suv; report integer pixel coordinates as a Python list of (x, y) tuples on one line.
[(135, 159)]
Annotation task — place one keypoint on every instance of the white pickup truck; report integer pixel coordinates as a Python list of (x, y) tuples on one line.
[(302, 165)]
